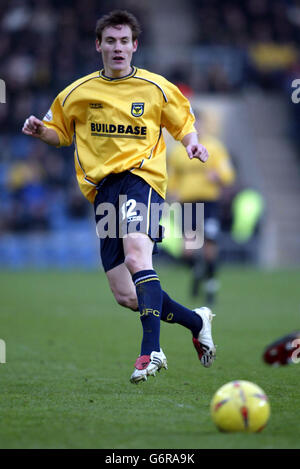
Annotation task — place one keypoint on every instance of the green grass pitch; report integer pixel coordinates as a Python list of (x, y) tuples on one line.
[(70, 352)]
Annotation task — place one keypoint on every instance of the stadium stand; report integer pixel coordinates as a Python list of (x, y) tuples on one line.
[(229, 48)]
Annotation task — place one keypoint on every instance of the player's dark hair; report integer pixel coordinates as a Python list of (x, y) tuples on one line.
[(115, 18)]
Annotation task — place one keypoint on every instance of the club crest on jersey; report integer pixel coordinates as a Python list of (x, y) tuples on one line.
[(137, 109)]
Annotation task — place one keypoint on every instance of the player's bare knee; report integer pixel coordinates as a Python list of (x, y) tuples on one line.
[(135, 262), (132, 262), (127, 301)]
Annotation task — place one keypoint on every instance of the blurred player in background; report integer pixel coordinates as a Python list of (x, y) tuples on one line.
[(115, 118), (189, 182)]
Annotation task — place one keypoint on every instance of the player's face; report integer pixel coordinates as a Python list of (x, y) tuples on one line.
[(117, 48)]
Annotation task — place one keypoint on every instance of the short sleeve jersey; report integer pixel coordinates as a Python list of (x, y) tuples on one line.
[(116, 126)]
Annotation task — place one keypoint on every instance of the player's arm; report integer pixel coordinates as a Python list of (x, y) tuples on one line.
[(193, 148), (178, 118), (37, 129)]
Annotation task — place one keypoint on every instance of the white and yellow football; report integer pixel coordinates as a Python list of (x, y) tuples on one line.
[(240, 406)]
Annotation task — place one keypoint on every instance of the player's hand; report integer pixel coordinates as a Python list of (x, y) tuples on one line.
[(197, 151), (37, 129), (34, 127)]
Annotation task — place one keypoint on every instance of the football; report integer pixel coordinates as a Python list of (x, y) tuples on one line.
[(240, 406)]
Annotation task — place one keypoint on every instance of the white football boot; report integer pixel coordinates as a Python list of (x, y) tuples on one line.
[(204, 344), (148, 365)]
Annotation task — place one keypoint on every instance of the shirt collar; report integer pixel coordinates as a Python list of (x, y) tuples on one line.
[(131, 74)]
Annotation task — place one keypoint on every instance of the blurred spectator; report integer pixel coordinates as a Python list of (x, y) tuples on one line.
[(266, 31), (29, 197)]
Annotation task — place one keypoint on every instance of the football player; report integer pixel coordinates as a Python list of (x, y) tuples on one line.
[(115, 118)]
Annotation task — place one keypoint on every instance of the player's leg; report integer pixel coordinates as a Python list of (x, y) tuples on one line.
[(122, 287), (205, 261), (192, 257), (124, 291), (138, 259), (198, 321), (195, 261), (211, 285), (138, 248), (211, 250)]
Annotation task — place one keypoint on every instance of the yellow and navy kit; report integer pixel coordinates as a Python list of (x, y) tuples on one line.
[(116, 125), (188, 179)]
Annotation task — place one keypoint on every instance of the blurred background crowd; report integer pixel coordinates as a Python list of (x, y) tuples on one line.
[(235, 53)]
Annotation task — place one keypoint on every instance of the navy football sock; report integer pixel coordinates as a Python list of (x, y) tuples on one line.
[(149, 295), (175, 313)]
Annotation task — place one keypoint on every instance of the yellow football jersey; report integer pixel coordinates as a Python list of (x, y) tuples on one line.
[(116, 125), (189, 179)]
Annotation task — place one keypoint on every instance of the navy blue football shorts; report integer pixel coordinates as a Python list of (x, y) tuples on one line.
[(125, 204)]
